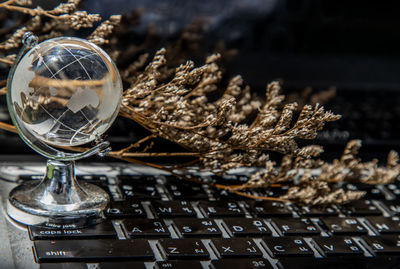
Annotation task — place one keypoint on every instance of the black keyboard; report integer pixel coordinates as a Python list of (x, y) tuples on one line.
[(160, 221)]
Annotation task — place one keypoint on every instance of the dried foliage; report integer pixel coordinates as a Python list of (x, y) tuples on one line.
[(47, 23), (171, 98), (177, 109)]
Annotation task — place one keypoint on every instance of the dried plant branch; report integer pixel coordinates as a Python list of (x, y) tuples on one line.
[(178, 110), (170, 97), (64, 16)]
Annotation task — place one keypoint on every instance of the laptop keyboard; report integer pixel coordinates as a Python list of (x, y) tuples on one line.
[(164, 222)]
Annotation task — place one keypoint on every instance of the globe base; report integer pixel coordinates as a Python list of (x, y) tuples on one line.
[(58, 200)]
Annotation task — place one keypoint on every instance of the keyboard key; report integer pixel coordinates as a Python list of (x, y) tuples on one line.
[(343, 226), (140, 192), (236, 248), (384, 225), (255, 263), (179, 265), (230, 179), (102, 230), (317, 211), (125, 209), (342, 262), (393, 206), (293, 226), (184, 249), (247, 227), (222, 209), (94, 179), (372, 192), (271, 191), (221, 194), (197, 227), (138, 187), (384, 244), (288, 246), (137, 179), (270, 209), (145, 228), (120, 265), (74, 265), (184, 190), (361, 208), (394, 189), (92, 250), (98, 180), (173, 208), (338, 246)]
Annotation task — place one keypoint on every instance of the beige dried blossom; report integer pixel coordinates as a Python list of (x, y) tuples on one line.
[(65, 8), (79, 19), (99, 36)]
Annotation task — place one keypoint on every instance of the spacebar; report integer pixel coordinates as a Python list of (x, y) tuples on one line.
[(92, 250)]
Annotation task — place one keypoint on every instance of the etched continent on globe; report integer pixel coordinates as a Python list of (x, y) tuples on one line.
[(66, 91)]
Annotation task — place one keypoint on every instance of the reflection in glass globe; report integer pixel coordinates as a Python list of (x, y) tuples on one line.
[(66, 91)]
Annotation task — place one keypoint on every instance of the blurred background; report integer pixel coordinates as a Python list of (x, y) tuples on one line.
[(343, 54)]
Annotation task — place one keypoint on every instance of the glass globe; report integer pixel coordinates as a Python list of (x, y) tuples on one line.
[(66, 91)]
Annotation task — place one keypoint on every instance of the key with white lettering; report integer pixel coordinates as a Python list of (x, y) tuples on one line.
[(343, 226), (384, 244), (313, 211), (247, 227), (236, 247), (222, 209), (288, 246), (384, 225), (145, 228), (255, 263), (173, 208), (361, 208), (269, 209), (92, 250), (125, 209), (178, 265), (295, 226), (67, 265), (138, 187), (184, 190), (101, 230), (393, 206), (197, 227), (186, 248), (338, 246)]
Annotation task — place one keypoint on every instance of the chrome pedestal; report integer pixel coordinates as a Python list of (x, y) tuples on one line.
[(58, 200)]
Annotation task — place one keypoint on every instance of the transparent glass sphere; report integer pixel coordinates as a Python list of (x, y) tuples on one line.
[(66, 91)]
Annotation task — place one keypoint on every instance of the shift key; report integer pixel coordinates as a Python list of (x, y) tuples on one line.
[(92, 250)]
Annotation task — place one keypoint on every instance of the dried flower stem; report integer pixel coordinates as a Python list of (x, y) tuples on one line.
[(8, 127), (6, 61)]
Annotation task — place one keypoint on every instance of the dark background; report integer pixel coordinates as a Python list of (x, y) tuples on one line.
[(351, 46)]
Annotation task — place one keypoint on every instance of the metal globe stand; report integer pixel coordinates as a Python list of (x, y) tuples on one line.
[(58, 199)]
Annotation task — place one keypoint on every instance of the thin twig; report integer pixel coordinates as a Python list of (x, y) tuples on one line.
[(8, 127), (134, 145), (6, 61), (157, 154)]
